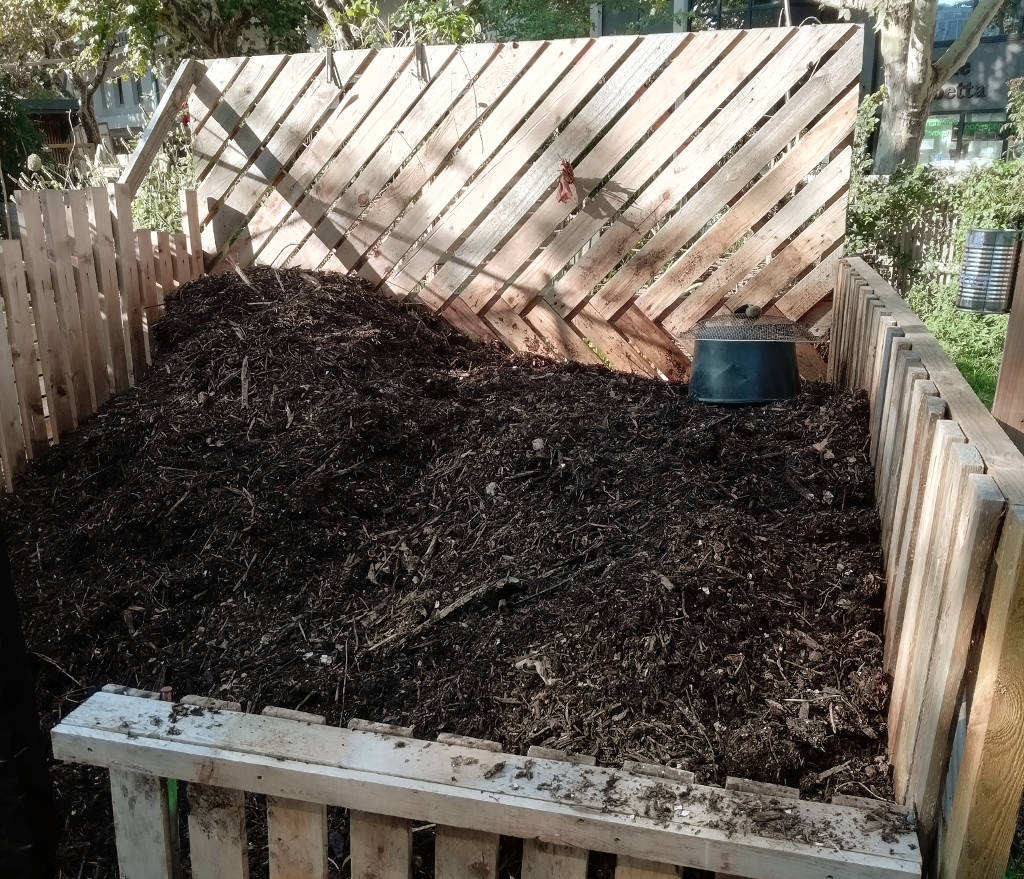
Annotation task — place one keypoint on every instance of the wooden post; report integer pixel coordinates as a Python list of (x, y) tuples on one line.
[(1008, 408)]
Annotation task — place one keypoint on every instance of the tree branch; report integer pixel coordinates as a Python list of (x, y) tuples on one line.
[(846, 5), (955, 56)]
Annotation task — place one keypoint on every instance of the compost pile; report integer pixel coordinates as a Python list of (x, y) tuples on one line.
[(322, 499)]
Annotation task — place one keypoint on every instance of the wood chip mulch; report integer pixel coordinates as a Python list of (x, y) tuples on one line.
[(322, 499)]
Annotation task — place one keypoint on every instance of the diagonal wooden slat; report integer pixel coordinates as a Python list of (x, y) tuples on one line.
[(211, 83), (664, 142), (279, 153), (372, 84), (285, 88), (446, 87), (217, 144), (698, 157), (811, 288), (716, 141), (454, 127), (742, 215), (815, 195), (540, 175), (640, 114), (373, 134), (824, 232), (719, 159), (573, 88), (484, 141)]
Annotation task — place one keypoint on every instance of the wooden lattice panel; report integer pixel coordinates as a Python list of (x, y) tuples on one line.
[(709, 170)]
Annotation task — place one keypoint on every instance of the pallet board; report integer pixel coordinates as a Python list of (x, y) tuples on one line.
[(559, 804), (708, 170)]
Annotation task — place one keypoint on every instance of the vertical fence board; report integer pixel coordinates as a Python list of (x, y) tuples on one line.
[(12, 436), (218, 845), (381, 846), (991, 777), (141, 826), (128, 278), (974, 542), (97, 341), (20, 333), (296, 830), (55, 222), (106, 264), (190, 223), (164, 264), (52, 351)]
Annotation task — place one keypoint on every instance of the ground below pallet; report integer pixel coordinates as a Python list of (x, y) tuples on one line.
[(321, 499)]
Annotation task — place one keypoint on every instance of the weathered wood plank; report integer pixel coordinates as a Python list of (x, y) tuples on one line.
[(472, 155), (371, 135), (973, 544), (507, 166), (110, 291), (95, 337), (276, 214), (381, 846), (296, 830), (395, 153), (358, 771), (128, 279), (141, 828), (53, 354), (12, 437), (18, 312), (991, 777)]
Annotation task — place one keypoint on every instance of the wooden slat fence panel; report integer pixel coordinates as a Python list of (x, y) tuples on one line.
[(560, 806), (708, 170), (950, 494), (75, 287)]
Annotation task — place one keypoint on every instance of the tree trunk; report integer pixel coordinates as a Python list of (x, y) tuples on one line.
[(900, 132)]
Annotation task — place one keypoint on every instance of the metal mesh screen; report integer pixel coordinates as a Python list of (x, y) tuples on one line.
[(727, 328)]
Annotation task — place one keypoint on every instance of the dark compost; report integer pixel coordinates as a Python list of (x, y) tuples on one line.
[(320, 498)]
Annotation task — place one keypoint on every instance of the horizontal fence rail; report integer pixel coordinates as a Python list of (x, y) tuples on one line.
[(651, 818), (950, 495), (80, 288), (588, 199)]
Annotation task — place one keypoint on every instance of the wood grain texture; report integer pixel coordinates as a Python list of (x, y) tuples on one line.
[(141, 828), (18, 313), (358, 770), (991, 777)]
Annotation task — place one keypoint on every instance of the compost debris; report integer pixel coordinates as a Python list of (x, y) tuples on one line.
[(323, 499)]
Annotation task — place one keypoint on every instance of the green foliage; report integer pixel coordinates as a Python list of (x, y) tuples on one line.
[(1015, 106), (507, 20), (19, 138), (358, 24), (157, 204), (887, 214)]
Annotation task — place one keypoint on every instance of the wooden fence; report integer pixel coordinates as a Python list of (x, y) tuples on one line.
[(652, 819), (950, 494), (591, 199), (80, 289)]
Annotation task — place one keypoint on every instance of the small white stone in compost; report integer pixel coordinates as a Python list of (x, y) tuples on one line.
[(538, 445)]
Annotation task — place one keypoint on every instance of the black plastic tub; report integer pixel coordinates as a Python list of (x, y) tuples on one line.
[(743, 371)]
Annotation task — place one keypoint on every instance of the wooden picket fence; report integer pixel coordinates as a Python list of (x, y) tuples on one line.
[(701, 171), (80, 288), (653, 819), (950, 495)]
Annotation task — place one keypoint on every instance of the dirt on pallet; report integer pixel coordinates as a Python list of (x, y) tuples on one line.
[(322, 499)]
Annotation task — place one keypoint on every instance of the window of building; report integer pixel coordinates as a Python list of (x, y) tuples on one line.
[(120, 90), (955, 140), (728, 14), (952, 15)]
